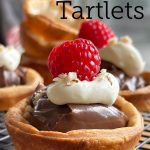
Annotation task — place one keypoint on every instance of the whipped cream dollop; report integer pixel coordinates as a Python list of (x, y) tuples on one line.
[(9, 57), (122, 53), (67, 88)]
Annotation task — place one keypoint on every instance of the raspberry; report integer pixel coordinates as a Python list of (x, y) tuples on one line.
[(96, 31), (80, 56)]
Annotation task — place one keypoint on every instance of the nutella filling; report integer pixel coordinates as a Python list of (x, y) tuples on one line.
[(63, 118), (10, 78), (125, 82)]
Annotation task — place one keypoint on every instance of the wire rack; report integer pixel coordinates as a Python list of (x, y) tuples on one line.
[(5, 141), (144, 144)]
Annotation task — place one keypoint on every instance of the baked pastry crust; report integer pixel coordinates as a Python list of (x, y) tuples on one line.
[(35, 45), (141, 97), (26, 137), (49, 15), (40, 66), (50, 29), (11, 95)]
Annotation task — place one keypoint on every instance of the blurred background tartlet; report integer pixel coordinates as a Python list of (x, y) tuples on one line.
[(16, 82)]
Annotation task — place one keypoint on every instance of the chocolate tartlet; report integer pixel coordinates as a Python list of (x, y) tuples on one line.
[(10, 95), (16, 82), (120, 139), (122, 59), (80, 110)]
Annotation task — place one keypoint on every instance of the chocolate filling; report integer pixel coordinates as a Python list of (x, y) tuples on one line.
[(10, 78), (50, 117), (125, 82)]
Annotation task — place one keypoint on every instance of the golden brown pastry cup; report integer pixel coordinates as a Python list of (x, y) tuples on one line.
[(47, 29), (39, 65), (47, 19), (27, 137), (140, 98), (37, 48), (11, 95), (42, 30)]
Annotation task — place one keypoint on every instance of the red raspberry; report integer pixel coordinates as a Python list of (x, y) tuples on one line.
[(96, 31), (80, 56)]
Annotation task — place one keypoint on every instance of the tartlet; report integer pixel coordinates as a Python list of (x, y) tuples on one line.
[(75, 92), (16, 82), (118, 139), (11, 95), (34, 44), (121, 58), (42, 29), (50, 28)]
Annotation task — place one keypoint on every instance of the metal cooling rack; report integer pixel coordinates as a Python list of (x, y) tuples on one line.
[(144, 144), (5, 141)]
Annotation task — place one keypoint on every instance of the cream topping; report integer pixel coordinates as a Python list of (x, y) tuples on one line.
[(67, 88), (9, 57), (122, 53)]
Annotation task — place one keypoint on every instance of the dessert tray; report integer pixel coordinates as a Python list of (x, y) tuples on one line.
[(144, 144)]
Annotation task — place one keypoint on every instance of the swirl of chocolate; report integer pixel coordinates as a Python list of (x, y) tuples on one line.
[(10, 78), (50, 117), (125, 82)]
